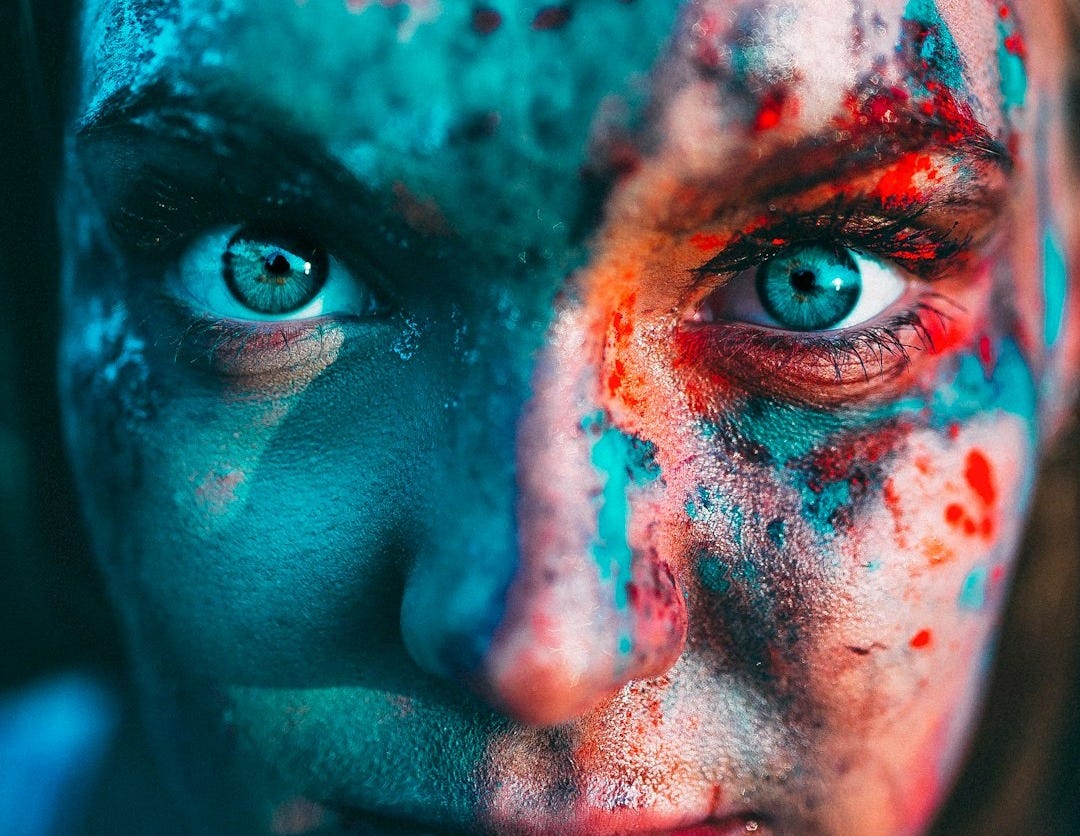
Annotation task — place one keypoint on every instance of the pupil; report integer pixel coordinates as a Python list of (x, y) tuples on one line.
[(804, 281), (277, 265)]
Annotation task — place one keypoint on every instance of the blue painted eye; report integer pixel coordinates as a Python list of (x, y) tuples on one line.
[(808, 288), (270, 274), (253, 274)]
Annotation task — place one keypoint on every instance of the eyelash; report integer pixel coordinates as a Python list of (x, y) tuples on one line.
[(881, 350), (923, 251)]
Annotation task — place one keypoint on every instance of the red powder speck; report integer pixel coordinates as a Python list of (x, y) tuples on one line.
[(1003, 12), (986, 355), (1014, 45), (899, 186), (551, 17), (706, 242), (954, 431), (921, 639), (997, 575), (954, 513), (980, 477), (485, 20), (773, 105)]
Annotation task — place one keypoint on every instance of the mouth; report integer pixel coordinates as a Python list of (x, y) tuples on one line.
[(739, 825), (363, 823)]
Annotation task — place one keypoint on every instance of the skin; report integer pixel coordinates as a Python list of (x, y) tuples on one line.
[(534, 538)]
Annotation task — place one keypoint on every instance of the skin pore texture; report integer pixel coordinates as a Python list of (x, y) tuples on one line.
[(534, 520)]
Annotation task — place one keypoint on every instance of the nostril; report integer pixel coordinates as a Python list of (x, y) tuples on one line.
[(568, 645), (452, 603)]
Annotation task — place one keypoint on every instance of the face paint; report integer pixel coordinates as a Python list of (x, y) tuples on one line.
[(650, 446)]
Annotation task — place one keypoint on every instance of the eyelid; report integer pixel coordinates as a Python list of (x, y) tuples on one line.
[(197, 281), (920, 248)]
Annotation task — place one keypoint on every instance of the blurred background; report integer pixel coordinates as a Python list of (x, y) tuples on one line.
[(62, 680)]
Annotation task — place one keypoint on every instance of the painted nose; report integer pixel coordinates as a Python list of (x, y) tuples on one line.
[(561, 596)]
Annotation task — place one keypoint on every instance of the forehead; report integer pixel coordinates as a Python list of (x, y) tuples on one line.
[(494, 112)]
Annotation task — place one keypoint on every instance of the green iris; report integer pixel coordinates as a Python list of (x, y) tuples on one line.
[(271, 274), (809, 288)]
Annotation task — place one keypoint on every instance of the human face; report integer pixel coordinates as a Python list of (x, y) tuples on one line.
[(532, 423)]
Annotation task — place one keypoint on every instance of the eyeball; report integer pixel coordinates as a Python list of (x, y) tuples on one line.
[(808, 288), (259, 274)]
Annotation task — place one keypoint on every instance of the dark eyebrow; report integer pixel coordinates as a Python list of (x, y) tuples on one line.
[(880, 128), (227, 130)]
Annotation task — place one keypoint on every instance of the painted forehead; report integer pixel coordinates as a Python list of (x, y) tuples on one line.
[(454, 98)]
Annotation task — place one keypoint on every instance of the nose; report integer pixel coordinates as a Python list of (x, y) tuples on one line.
[(546, 593)]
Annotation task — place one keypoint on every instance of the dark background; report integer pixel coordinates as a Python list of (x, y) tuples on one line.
[(1023, 774)]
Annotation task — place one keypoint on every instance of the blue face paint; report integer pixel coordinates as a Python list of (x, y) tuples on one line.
[(1055, 287), (973, 591), (930, 46), (625, 462), (1013, 74)]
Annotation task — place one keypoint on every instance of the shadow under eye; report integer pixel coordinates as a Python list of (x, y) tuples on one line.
[(858, 365)]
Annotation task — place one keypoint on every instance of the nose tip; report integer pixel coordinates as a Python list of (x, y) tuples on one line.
[(550, 594), (590, 604)]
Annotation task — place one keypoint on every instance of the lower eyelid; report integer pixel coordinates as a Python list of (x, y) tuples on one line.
[(862, 364), (239, 349)]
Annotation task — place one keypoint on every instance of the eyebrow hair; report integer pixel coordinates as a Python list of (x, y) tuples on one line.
[(883, 126), (887, 128)]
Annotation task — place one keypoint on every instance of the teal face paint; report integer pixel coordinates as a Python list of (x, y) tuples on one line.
[(936, 57), (1010, 60), (375, 569), (973, 592), (624, 462), (1055, 288)]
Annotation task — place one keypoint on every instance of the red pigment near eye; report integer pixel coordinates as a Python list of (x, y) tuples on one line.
[(980, 477), (708, 243), (1014, 44), (775, 105), (986, 356), (921, 639), (902, 185)]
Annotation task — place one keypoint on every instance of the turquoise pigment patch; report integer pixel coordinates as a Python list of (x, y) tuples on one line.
[(625, 462), (1011, 70), (1055, 285), (936, 48), (973, 591)]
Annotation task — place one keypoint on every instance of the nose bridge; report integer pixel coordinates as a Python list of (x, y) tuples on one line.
[(541, 589), (592, 605)]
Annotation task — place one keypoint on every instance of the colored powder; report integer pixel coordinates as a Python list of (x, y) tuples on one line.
[(625, 461), (551, 17), (714, 574), (775, 530), (980, 477), (1055, 285), (934, 45), (973, 590), (485, 20), (921, 639), (1013, 75)]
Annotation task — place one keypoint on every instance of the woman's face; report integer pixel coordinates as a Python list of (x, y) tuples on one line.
[(505, 419)]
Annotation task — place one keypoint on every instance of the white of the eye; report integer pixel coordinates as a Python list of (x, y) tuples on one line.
[(199, 283), (882, 284)]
